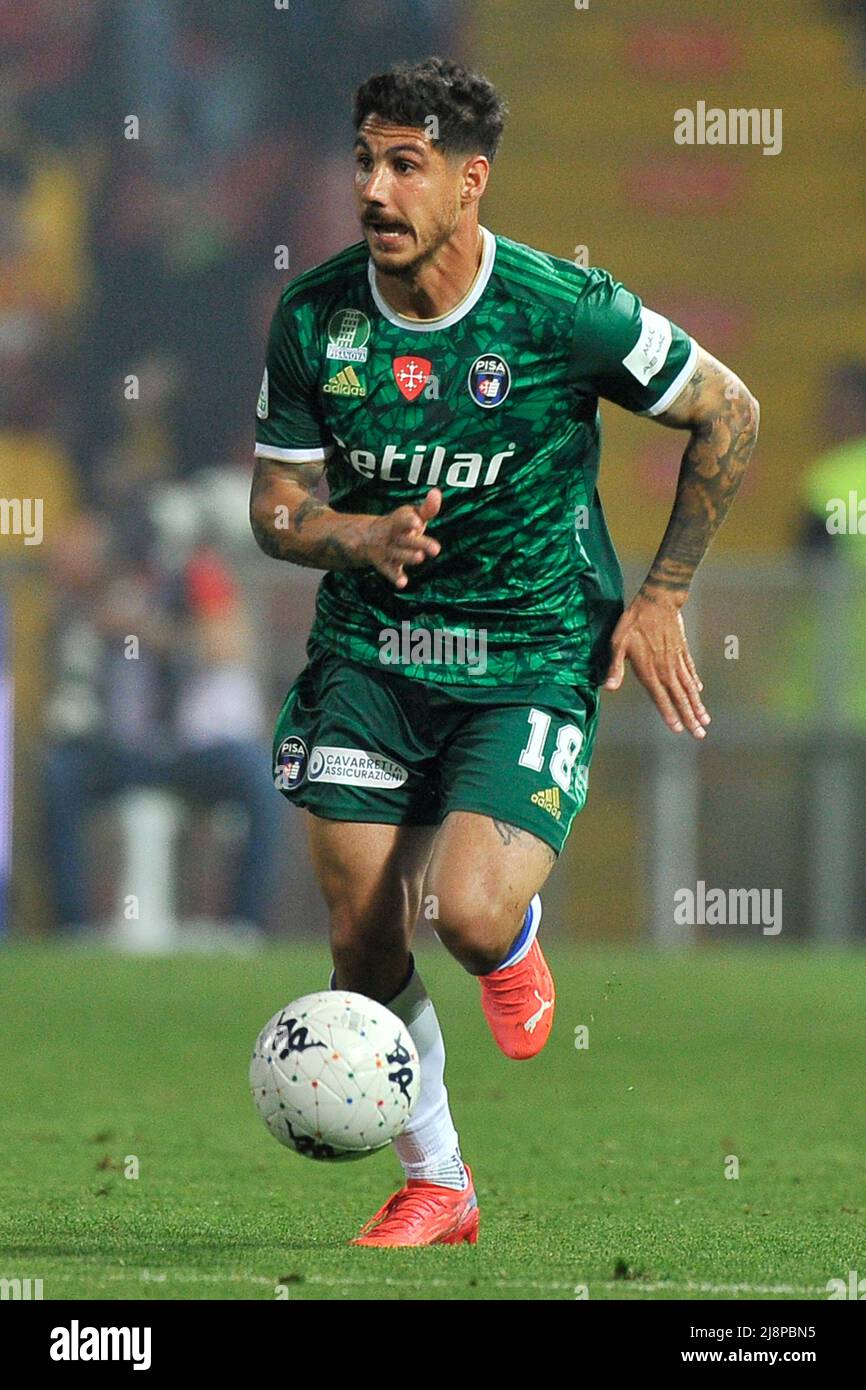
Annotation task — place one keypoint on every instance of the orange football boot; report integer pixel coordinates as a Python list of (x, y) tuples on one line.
[(424, 1213), (518, 1001)]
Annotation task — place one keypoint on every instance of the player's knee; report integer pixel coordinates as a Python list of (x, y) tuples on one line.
[(475, 933), (350, 932), (356, 939)]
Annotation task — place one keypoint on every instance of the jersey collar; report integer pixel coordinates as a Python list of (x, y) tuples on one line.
[(479, 285)]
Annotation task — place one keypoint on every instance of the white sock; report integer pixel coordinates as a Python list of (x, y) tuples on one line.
[(428, 1148), (522, 945)]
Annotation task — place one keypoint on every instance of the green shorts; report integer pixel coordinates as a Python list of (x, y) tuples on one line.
[(356, 743)]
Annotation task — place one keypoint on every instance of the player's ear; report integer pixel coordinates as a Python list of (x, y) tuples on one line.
[(476, 171)]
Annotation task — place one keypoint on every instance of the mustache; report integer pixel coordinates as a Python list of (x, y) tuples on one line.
[(391, 226)]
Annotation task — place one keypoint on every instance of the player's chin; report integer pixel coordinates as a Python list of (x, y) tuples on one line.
[(396, 258)]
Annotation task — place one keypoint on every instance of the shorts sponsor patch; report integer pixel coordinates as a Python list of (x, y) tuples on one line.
[(650, 352), (355, 767), (290, 765)]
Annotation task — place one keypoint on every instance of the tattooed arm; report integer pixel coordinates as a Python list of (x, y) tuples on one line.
[(290, 523), (722, 416)]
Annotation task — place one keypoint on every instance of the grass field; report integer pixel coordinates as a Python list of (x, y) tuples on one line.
[(602, 1167)]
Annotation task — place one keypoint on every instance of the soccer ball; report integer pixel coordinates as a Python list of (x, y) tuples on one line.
[(335, 1076)]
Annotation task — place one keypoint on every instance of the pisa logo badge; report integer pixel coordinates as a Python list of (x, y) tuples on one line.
[(290, 764), (489, 380)]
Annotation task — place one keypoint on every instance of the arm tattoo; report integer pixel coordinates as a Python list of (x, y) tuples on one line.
[(308, 475), (311, 507), (712, 470), (696, 385), (329, 553), (290, 540)]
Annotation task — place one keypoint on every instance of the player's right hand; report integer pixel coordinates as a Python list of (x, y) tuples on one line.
[(398, 539)]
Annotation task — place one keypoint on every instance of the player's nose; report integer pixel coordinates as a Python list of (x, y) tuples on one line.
[(375, 187)]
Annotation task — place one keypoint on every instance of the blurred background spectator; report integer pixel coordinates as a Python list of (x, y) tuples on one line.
[(155, 687)]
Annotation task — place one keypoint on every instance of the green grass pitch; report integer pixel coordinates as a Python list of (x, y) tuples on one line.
[(601, 1168)]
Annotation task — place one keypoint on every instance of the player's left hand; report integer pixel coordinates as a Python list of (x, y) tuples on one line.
[(650, 634)]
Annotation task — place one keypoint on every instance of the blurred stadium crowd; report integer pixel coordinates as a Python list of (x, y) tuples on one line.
[(138, 279), (140, 260)]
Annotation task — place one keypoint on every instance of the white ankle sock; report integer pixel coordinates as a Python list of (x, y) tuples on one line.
[(428, 1148), (522, 944)]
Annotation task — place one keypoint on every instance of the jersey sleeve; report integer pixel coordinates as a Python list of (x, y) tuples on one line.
[(627, 353), (289, 424)]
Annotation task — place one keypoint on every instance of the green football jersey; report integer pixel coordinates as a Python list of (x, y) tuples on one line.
[(496, 404)]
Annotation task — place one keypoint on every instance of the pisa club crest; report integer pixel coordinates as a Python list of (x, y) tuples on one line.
[(290, 764), (411, 375), (489, 380)]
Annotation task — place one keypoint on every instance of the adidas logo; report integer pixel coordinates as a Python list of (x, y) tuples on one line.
[(345, 383), (548, 801)]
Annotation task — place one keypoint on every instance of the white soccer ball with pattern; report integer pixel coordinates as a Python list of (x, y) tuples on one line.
[(335, 1075)]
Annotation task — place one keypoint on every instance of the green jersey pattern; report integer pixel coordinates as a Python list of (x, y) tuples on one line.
[(496, 404)]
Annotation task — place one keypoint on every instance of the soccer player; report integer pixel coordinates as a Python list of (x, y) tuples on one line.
[(447, 381)]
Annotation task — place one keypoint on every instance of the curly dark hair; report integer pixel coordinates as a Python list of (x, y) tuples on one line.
[(469, 110)]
